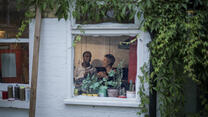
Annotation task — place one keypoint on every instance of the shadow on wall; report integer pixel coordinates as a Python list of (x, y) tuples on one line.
[(97, 63)]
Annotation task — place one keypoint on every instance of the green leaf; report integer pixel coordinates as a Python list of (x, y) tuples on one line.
[(123, 12)]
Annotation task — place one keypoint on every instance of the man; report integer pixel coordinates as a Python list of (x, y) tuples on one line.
[(108, 62), (84, 69)]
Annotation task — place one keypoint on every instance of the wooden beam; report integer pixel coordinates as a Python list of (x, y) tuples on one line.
[(35, 63)]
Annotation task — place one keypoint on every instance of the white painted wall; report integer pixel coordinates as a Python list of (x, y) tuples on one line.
[(52, 79), (11, 112)]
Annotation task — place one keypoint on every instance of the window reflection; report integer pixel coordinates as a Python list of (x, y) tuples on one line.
[(8, 65)]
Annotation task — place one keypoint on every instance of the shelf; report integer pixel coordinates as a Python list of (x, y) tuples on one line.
[(14, 104)]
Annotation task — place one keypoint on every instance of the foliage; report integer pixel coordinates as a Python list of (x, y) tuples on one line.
[(179, 46), (144, 79), (61, 8), (117, 76), (179, 50), (91, 84), (104, 84), (97, 11)]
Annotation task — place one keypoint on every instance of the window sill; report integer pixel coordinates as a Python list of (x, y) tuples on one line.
[(102, 101), (14, 104)]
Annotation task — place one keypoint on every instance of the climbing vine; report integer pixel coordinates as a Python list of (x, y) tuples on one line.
[(179, 51), (60, 8), (143, 91), (179, 46), (98, 11)]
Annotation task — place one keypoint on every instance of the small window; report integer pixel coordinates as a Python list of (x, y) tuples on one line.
[(104, 63), (14, 63), (10, 19)]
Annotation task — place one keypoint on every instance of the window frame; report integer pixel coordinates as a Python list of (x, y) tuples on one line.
[(3, 86), (16, 79), (104, 29), (143, 38)]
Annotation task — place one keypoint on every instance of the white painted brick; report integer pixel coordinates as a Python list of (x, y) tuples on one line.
[(52, 79)]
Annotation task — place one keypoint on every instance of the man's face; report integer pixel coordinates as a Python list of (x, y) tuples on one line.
[(87, 58), (105, 62)]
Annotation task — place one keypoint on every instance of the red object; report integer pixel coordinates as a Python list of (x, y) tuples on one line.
[(4, 95), (132, 62), (17, 79), (121, 96)]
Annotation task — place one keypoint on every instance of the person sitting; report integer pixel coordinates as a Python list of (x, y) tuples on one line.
[(84, 69), (108, 62)]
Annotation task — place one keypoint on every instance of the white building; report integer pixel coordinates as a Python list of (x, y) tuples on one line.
[(57, 58)]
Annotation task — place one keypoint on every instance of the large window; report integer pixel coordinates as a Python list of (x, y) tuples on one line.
[(105, 70), (14, 53), (103, 66)]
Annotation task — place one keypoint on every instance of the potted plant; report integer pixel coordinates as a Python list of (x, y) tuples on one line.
[(85, 85), (102, 91), (94, 86), (131, 92), (115, 83), (90, 85), (103, 87)]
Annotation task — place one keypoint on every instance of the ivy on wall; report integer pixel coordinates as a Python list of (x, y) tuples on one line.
[(179, 46), (179, 51), (61, 9), (98, 11)]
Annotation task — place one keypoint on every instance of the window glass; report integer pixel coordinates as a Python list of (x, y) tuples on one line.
[(14, 62), (101, 66), (10, 19), (8, 65)]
